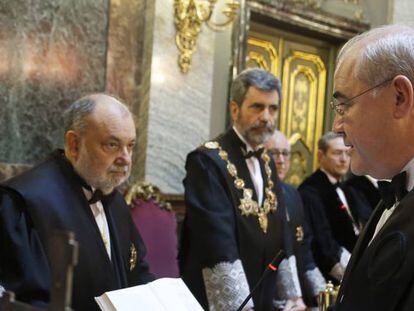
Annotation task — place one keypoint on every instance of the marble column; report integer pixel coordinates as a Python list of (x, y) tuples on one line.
[(129, 66), (180, 104), (401, 12)]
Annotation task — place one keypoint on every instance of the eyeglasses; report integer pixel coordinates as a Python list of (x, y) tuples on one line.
[(279, 152), (341, 107)]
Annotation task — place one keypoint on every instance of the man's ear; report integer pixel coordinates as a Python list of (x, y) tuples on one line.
[(320, 155), (72, 144), (234, 110), (403, 96)]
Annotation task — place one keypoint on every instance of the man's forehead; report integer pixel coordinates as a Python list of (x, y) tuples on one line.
[(337, 144), (346, 70), (118, 126)]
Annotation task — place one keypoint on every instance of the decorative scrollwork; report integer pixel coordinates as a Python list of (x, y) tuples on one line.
[(189, 15), (146, 191)]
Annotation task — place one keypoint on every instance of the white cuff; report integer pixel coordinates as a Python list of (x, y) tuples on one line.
[(226, 286), (315, 281), (287, 281), (344, 257), (338, 269)]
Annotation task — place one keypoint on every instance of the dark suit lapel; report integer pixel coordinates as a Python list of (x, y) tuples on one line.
[(83, 206), (117, 259), (362, 242)]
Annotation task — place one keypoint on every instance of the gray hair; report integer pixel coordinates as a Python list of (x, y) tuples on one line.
[(74, 117), (258, 78), (385, 52), (323, 142)]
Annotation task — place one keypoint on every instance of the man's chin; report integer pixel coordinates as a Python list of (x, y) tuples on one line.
[(257, 139)]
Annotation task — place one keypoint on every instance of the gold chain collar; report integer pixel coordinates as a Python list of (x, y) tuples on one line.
[(248, 206)]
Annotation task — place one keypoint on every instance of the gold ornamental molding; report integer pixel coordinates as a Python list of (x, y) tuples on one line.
[(312, 114), (259, 59), (268, 47), (189, 15)]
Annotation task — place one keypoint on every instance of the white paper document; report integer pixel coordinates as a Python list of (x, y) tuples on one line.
[(162, 294)]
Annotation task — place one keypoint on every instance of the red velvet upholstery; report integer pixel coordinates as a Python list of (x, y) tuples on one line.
[(158, 228)]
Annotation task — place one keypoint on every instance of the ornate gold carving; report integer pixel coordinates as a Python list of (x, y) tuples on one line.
[(260, 59), (145, 191), (189, 15), (301, 112), (299, 234), (248, 206)]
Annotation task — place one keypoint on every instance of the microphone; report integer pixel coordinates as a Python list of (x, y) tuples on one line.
[(271, 267)]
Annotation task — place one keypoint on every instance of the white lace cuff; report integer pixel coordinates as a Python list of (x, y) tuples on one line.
[(344, 257), (226, 286), (338, 269), (315, 281), (287, 281)]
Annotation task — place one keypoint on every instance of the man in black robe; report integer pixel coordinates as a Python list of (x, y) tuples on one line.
[(374, 102), (367, 187), (235, 219), (310, 277), (74, 190), (335, 214)]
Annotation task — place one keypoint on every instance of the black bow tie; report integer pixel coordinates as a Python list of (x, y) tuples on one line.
[(394, 190), (97, 195), (256, 153)]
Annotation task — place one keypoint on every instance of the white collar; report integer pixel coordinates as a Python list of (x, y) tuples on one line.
[(373, 180), (409, 168)]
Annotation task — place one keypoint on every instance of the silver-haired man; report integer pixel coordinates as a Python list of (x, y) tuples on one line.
[(374, 102)]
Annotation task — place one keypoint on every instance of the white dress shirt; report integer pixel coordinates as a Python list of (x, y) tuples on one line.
[(342, 197), (254, 169), (409, 169), (101, 221)]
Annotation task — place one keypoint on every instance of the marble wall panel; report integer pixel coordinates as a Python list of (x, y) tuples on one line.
[(51, 52), (129, 66), (401, 12), (180, 104)]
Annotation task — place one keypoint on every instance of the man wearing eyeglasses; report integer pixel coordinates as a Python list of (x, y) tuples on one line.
[(310, 277), (334, 213), (373, 98)]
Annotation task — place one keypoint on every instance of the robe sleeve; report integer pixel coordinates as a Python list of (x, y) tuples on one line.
[(324, 245), (211, 233), (24, 268)]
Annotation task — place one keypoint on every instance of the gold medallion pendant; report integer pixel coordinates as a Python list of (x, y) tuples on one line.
[(248, 206)]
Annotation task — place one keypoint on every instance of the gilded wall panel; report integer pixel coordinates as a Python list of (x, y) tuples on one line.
[(302, 111), (302, 70)]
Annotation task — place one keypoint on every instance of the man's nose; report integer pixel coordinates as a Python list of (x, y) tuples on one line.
[(337, 125), (124, 157), (266, 115)]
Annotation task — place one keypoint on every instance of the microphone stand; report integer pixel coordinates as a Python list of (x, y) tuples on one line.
[(271, 267)]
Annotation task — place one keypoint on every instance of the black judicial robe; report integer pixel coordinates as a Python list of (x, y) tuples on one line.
[(214, 230), (380, 276), (330, 225), (48, 198), (299, 230), (365, 188)]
